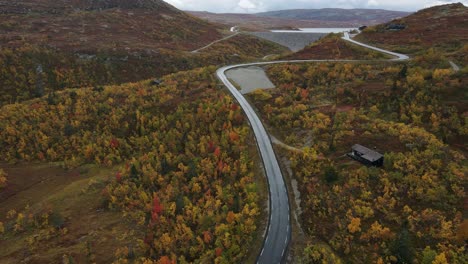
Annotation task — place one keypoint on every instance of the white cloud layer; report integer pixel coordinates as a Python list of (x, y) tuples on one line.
[(252, 6)]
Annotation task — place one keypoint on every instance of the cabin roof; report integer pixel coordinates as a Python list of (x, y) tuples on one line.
[(367, 154)]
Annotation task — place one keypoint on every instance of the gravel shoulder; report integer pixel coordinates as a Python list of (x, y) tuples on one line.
[(250, 79)]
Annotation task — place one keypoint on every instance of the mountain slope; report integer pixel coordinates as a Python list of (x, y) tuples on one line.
[(333, 47), (61, 6), (443, 27), (48, 45), (112, 24)]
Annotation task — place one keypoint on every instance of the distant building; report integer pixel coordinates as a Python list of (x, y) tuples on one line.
[(156, 82), (396, 27), (366, 156)]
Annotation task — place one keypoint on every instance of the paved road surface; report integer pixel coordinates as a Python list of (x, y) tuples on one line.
[(278, 235), (454, 66), (279, 225), (398, 55)]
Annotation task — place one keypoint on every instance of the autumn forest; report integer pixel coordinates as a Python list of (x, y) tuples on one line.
[(120, 151)]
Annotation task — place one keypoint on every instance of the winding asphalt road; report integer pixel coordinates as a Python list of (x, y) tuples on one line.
[(279, 225), (397, 55)]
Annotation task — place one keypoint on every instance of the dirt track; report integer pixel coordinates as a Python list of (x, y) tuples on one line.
[(294, 41)]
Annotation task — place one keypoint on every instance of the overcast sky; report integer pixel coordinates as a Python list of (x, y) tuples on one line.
[(252, 6)]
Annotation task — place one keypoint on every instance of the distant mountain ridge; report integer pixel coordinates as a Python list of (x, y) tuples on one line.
[(336, 14), (303, 18)]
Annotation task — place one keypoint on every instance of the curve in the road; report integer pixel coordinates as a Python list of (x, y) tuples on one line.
[(278, 233), (279, 227), (398, 55)]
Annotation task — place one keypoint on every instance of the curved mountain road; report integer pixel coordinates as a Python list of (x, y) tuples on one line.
[(398, 55), (279, 226)]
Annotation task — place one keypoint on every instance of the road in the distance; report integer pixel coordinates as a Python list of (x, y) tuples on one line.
[(279, 225), (398, 55), (216, 41)]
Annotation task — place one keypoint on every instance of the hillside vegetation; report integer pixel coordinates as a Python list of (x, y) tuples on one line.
[(49, 45), (444, 28), (333, 47), (101, 164), (91, 26), (122, 173), (411, 209), (188, 190), (32, 71)]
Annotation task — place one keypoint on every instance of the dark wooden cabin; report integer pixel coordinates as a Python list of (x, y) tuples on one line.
[(156, 82), (366, 156), (396, 27)]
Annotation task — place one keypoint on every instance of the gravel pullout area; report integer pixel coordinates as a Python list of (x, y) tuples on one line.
[(250, 79), (294, 41)]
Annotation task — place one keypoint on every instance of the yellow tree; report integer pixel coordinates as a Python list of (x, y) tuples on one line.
[(355, 225), (3, 178), (440, 259)]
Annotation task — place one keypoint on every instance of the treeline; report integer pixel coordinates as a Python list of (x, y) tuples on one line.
[(188, 187), (31, 71)]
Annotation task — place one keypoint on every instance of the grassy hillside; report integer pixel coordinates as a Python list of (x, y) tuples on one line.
[(64, 6), (49, 45), (32, 71), (443, 28), (108, 25), (333, 47), (53, 215)]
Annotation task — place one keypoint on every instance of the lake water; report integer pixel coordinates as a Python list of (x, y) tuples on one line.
[(315, 30)]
